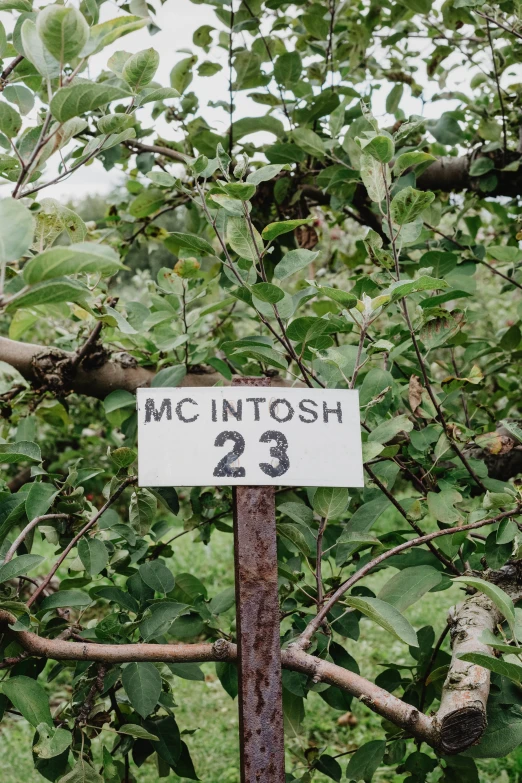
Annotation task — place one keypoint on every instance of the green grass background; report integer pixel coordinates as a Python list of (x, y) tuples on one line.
[(206, 707)]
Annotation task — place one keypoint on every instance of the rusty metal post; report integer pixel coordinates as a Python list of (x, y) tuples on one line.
[(257, 614)]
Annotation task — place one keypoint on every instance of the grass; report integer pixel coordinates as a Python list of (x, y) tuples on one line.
[(207, 709)]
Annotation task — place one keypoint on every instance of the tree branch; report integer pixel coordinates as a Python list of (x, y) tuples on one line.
[(313, 626), (377, 699)]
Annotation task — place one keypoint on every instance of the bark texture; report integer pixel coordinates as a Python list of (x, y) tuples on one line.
[(461, 718), (462, 712)]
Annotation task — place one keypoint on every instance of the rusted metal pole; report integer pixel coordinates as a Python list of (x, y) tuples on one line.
[(257, 613)]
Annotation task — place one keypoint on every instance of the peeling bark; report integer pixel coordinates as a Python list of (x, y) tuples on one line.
[(461, 718)]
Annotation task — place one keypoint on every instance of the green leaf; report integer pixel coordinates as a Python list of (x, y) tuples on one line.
[(109, 31), (441, 505), (293, 262), (19, 452), (10, 120), (223, 601), (123, 457), (390, 428), (287, 68), (118, 596), (331, 502), (447, 130), (503, 734), (29, 698), (408, 204), (267, 292), (380, 147), (239, 190), (513, 671), (365, 761), (18, 566), (86, 257), (156, 575), (501, 599), (344, 298), (138, 732), (309, 141), (39, 499), (265, 355), (264, 173), (169, 376), (73, 101), (247, 125), (408, 586), (385, 615), (35, 51), (82, 772), (16, 230), (142, 508), (330, 767), (240, 239), (142, 684), (60, 289), (409, 159), (63, 30), (296, 536), (140, 69), (481, 166), (197, 245), (298, 512), (21, 96), (400, 288), (168, 747), (65, 598), (93, 554), (147, 202), (393, 98), (187, 671), (161, 618), (150, 94), (51, 742), (507, 254), (274, 230), (181, 75), (374, 176)]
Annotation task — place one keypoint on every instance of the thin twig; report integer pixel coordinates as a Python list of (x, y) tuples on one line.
[(230, 81), (499, 24), (127, 482), (433, 549), (8, 70), (499, 91), (304, 639), (27, 529), (318, 565), (484, 263)]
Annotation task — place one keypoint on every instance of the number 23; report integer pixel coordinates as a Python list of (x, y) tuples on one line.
[(224, 467)]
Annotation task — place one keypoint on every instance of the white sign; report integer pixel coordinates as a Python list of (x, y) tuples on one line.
[(249, 435)]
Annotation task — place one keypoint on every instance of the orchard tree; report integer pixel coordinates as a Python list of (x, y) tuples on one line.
[(352, 244)]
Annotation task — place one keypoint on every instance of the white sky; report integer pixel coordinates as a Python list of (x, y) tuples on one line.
[(178, 19)]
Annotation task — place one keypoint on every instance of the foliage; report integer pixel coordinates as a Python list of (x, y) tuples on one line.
[(324, 242)]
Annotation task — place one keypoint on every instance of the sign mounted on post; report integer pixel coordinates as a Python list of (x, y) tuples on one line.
[(237, 435)]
